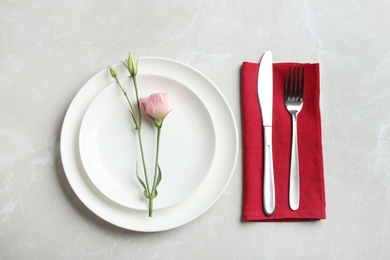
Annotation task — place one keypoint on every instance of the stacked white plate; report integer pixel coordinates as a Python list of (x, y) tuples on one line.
[(198, 148)]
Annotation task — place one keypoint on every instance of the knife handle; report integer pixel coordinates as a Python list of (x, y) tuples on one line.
[(268, 177)]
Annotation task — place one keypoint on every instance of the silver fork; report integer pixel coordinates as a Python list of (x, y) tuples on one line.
[(293, 100)]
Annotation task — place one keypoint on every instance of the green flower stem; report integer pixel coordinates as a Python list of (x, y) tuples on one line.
[(153, 192), (150, 207), (138, 124), (138, 103), (156, 162), (141, 148)]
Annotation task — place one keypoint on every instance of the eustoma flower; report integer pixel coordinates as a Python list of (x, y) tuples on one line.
[(157, 108)]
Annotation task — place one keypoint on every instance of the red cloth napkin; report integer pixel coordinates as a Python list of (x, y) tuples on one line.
[(312, 191)]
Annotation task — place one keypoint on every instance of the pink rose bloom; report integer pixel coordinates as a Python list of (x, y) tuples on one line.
[(156, 107)]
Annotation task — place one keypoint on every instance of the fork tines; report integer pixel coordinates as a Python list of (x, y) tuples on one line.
[(294, 84)]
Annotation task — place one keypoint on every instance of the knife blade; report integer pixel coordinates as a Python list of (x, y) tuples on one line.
[(265, 96)]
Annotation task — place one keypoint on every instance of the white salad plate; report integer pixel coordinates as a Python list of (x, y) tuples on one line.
[(109, 146), (188, 90)]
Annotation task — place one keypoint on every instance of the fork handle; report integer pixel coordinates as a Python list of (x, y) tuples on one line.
[(294, 167), (268, 175)]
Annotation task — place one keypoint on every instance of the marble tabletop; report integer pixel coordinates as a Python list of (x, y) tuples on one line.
[(49, 49)]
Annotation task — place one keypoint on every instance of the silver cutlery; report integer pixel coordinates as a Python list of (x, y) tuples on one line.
[(293, 100), (265, 96)]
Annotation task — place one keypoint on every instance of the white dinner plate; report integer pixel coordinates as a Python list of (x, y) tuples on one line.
[(109, 146), (196, 203)]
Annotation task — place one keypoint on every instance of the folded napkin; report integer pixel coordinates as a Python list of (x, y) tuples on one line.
[(312, 191)]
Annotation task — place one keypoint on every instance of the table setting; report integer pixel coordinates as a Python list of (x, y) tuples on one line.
[(97, 126), (194, 130)]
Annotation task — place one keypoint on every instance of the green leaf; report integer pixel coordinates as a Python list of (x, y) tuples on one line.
[(159, 176), (124, 64), (132, 116), (155, 193), (146, 193)]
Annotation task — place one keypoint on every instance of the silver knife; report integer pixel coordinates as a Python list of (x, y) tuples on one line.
[(265, 94)]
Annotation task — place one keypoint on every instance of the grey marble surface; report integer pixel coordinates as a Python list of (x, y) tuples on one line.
[(49, 49)]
